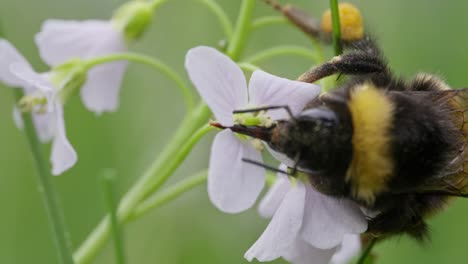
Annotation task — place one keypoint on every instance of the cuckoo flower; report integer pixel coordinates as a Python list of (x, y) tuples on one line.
[(42, 98), (233, 186), (62, 40), (307, 226)]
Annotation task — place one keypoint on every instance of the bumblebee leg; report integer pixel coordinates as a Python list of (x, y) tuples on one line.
[(299, 18), (354, 63)]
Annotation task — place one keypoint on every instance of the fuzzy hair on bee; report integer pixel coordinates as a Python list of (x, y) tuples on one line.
[(397, 147)]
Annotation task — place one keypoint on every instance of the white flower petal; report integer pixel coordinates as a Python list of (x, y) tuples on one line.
[(233, 185), (8, 56), (275, 195), (220, 82), (61, 40), (303, 253), (350, 247), (31, 80), (63, 156), (283, 229), (101, 91), (17, 118), (269, 90), (45, 125), (327, 219)]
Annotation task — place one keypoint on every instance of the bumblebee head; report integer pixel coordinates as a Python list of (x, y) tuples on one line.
[(317, 141)]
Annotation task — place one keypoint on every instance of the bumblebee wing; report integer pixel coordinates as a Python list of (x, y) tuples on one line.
[(454, 179)]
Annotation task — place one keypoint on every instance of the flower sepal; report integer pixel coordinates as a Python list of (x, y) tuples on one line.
[(70, 76)]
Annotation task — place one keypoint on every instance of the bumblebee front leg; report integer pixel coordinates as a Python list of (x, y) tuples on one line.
[(353, 63)]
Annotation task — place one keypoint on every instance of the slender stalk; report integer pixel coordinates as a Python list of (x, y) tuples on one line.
[(169, 194), (154, 63), (367, 251), (47, 190), (221, 15), (248, 66), (243, 27), (167, 168), (336, 27), (283, 50), (98, 237), (108, 182), (268, 21)]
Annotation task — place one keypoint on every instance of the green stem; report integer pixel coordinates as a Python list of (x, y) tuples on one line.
[(336, 27), (248, 66), (167, 168), (283, 50), (152, 62), (154, 177), (268, 21), (367, 251), (169, 194), (108, 180), (243, 27), (222, 17), (47, 189)]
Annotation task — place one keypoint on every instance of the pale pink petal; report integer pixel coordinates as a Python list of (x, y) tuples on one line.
[(30, 79), (275, 195), (233, 185), (18, 118), (8, 56), (62, 40), (269, 90), (220, 82), (303, 253), (101, 91), (45, 125), (350, 247), (63, 156), (283, 229), (327, 219)]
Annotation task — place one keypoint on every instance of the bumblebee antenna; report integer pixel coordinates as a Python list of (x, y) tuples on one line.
[(270, 168), (250, 110)]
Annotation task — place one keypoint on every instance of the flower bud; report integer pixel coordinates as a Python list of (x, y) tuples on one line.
[(133, 18), (351, 25)]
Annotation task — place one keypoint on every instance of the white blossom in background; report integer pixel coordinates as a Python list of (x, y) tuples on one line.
[(307, 227), (47, 116), (62, 40), (233, 185)]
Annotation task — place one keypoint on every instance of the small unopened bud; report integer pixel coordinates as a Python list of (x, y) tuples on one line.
[(36, 103), (352, 28), (133, 18)]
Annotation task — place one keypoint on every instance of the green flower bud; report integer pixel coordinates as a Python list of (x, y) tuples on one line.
[(133, 18)]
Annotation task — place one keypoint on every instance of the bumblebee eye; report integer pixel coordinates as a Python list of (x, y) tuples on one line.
[(318, 114)]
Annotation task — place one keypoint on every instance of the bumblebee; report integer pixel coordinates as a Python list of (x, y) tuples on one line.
[(397, 147)]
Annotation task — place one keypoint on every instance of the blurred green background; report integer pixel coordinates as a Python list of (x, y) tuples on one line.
[(417, 35)]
